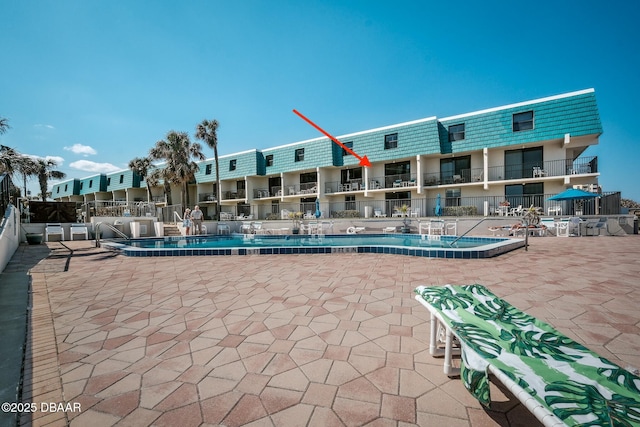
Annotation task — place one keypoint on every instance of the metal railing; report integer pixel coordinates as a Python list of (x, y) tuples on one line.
[(110, 227), (117, 208), (550, 168)]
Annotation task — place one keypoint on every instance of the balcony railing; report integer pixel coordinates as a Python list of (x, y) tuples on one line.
[(376, 183), (551, 168), (206, 197)]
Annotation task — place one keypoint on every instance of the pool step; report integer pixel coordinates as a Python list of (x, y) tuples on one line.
[(171, 230)]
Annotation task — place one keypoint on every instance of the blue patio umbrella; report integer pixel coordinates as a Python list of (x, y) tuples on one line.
[(318, 213), (573, 194), (438, 206)]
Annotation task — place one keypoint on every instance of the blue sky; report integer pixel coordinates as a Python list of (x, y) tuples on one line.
[(94, 84)]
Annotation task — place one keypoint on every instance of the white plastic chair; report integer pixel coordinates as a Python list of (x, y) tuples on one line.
[(53, 229), (79, 229)]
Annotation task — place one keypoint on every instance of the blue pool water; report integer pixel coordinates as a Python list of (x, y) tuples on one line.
[(400, 244)]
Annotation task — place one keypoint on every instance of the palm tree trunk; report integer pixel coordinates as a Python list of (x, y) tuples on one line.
[(215, 153)]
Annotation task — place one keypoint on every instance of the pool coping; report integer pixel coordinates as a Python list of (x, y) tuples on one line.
[(498, 246)]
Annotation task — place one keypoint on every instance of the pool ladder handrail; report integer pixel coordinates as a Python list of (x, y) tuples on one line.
[(112, 228), (466, 232)]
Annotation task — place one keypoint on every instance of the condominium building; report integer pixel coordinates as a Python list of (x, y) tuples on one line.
[(469, 163)]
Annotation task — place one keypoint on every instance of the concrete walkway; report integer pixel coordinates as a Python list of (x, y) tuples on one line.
[(301, 340)]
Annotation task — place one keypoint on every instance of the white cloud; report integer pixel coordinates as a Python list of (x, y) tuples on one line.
[(86, 165), (59, 160), (85, 150), (43, 126)]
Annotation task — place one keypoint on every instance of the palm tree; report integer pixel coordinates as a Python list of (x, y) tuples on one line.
[(178, 152), (45, 171), (4, 125), (12, 162), (207, 131), (142, 167)]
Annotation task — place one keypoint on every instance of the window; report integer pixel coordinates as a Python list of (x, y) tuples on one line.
[(108, 181), (58, 190), (525, 195), (81, 185), (90, 183), (520, 163), (456, 132), (452, 197), (269, 160), (232, 165), (207, 169), (65, 187), (523, 121), (299, 155), (391, 141), (395, 173), (455, 170), (121, 179), (350, 203), (349, 145)]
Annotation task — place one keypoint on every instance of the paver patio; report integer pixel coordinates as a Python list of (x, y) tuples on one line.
[(309, 340)]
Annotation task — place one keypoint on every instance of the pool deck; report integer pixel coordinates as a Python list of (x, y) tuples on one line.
[(294, 340)]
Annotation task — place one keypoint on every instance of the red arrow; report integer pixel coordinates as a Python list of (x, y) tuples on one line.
[(364, 161)]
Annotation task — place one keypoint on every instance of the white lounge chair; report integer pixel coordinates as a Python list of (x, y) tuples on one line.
[(377, 213), (549, 224), (79, 229), (53, 229), (562, 228)]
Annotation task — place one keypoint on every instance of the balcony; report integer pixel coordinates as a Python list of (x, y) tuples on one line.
[(377, 183), (206, 197), (537, 170), (307, 188)]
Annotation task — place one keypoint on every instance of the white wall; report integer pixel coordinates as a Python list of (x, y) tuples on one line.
[(9, 236)]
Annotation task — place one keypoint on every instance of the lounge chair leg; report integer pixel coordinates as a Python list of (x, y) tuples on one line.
[(449, 370)]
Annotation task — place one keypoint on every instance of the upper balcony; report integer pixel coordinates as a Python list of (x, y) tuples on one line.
[(551, 168), (397, 182)]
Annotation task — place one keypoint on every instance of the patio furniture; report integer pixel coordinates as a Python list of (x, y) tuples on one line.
[(549, 224), (397, 183), (53, 229), (593, 228), (559, 380), (79, 229), (517, 211), (355, 230), (554, 210), (436, 226), (223, 229), (386, 230), (539, 172), (562, 228), (377, 213)]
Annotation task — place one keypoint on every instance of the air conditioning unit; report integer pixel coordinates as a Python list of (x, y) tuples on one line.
[(593, 188)]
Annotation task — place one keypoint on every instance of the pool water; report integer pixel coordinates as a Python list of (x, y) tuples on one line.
[(251, 244)]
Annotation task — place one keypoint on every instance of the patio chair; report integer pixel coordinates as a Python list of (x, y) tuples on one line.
[(79, 229), (457, 179), (223, 228), (436, 226), (53, 229), (593, 228), (389, 230), (549, 224), (377, 213), (516, 211), (397, 183), (415, 212), (562, 228)]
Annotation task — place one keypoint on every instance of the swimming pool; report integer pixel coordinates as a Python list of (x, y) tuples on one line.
[(252, 244)]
